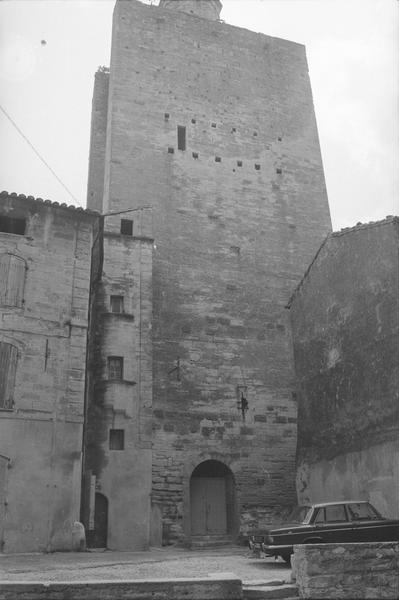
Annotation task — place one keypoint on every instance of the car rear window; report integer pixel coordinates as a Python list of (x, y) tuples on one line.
[(362, 510)]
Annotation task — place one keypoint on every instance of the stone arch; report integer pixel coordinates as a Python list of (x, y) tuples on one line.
[(210, 503)]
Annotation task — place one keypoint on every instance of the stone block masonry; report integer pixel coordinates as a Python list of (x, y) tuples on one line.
[(210, 588), (41, 419), (214, 127), (345, 324), (347, 571)]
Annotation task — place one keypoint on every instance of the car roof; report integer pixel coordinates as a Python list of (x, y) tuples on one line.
[(338, 502)]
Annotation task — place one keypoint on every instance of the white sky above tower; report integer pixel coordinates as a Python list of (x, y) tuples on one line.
[(49, 52)]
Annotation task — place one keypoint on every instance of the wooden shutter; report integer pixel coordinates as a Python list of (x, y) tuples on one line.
[(12, 280), (4, 268), (16, 281), (8, 367)]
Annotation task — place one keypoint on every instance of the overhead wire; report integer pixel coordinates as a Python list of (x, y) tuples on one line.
[(39, 155)]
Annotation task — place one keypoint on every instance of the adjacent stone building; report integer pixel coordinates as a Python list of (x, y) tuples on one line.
[(45, 256), (213, 127), (345, 325)]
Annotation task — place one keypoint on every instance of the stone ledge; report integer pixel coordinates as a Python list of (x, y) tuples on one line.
[(211, 588)]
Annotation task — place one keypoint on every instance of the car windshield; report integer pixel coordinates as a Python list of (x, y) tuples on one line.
[(300, 514), (362, 510)]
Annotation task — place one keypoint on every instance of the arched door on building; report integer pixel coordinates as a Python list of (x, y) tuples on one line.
[(212, 499), (100, 533)]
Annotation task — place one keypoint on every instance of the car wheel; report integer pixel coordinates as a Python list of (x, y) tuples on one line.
[(286, 558)]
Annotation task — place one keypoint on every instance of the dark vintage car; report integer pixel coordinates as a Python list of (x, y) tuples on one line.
[(331, 522)]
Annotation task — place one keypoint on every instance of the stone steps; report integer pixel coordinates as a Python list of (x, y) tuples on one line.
[(270, 592), (210, 541)]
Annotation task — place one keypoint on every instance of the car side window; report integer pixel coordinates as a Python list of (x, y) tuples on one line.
[(320, 517), (335, 513)]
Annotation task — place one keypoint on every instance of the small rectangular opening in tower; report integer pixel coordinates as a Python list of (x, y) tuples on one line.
[(115, 367), (126, 227), (117, 304), (181, 137), (116, 439)]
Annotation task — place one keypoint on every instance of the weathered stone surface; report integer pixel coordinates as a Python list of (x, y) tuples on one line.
[(211, 588), (347, 571), (345, 319), (239, 210), (41, 433)]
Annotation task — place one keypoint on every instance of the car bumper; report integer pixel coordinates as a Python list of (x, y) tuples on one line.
[(276, 550), (255, 546)]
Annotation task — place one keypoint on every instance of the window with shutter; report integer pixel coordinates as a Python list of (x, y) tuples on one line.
[(115, 367), (12, 280), (8, 367)]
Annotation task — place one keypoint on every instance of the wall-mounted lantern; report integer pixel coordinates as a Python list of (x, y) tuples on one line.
[(242, 402)]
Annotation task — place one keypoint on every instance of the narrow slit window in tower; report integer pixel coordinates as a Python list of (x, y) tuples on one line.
[(181, 137)]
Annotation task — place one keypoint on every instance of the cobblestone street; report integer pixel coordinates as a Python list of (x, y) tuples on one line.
[(155, 564)]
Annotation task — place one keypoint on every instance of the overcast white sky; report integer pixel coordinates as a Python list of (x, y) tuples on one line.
[(352, 49)]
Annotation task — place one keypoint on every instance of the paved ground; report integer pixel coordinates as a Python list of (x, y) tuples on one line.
[(155, 564)]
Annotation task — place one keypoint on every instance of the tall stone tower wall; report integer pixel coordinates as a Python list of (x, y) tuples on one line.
[(214, 127)]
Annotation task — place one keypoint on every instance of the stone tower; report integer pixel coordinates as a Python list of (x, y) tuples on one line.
[(208, 9), (214, 127)]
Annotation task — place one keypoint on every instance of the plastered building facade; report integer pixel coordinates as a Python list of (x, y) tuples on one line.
[(345, 326), (45, 257), (213, 127)]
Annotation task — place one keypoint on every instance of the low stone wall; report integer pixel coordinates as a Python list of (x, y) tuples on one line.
[(346, 571), (211, 588)]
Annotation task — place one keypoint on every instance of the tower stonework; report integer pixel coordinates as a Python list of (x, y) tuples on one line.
[(208, 9), (214, 127)]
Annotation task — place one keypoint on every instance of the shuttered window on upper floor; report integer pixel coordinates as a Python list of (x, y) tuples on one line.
[(12, 280), (8, 368)]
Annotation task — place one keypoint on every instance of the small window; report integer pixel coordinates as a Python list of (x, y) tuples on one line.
[(10, 225), (115, 367), (239, 163), (181, 137), (279, 171), (166, 116), (116, 439), (335, 513), (257, 167), (218, 159), (8, 367), (117, 304), (126, 227), (12, 280)]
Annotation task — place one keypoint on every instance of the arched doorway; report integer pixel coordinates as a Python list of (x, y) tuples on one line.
[(98, 536), (212, 499)]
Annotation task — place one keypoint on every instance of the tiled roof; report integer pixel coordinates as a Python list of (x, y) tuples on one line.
[(63, 206), (359, 226)]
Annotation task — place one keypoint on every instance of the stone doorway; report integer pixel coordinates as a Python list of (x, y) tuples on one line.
[(212, 491), (99, 536)]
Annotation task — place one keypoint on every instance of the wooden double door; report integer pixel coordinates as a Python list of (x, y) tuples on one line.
[(208, 506)]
